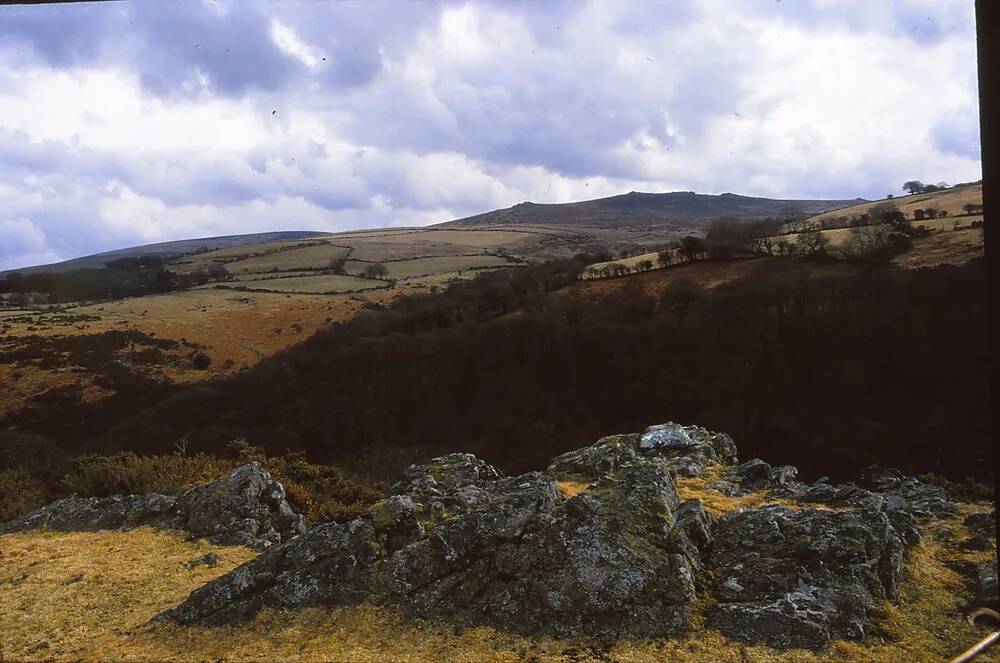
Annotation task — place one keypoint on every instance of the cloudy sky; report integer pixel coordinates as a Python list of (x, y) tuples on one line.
[(130, 123)]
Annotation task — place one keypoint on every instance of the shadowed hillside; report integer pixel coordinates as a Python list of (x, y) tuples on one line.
[(516, 366)]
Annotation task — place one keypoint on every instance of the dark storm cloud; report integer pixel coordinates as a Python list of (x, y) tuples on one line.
[(233, 48), (170, 43), (63, 35)]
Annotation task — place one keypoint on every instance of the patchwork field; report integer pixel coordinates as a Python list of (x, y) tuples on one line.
[(233, 253), (310, 283), (304, 258), (277, 294), (405, 269)]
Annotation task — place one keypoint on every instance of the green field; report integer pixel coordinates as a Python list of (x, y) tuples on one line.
[(222, 256), (305, 258)]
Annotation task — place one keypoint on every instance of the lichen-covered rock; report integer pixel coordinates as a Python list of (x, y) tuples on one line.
[(469, 545), (983, 527), (617, 554), (597, 460), (985, 586), (666, 436), (799, 577), (920, 498), (245, 507), (90, 514), (210, 560), (754, 475)]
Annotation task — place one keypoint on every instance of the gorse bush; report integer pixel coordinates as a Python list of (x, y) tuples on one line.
[(321, 492), (128, 473), (20, 492)]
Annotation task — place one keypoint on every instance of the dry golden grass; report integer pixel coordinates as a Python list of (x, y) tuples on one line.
[(235, 329), (839, 236), (950, 200), (570, 489), (631, 263), (943, 248), (19, 384), (87, 596), (717, 504)]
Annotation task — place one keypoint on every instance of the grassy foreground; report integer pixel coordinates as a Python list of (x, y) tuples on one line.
[(86, 596)]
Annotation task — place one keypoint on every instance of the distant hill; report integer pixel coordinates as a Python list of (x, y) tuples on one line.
[(679, 208), (166, 249), (680, 211)]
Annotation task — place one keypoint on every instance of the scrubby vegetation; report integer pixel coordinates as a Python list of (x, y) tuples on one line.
[(124, 277), (510, 365), (320, 492)]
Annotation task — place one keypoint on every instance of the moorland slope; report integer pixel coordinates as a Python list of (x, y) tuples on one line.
[(685, 210)]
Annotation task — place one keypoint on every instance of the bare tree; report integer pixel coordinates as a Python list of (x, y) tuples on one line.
[(618, 269), (693, 247), (375, 271), (765, 244), (812, 243), (337, 264), (867, 242)]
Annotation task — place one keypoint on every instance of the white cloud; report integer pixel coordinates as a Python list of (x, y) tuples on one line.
[(288, 41), (414, 118), (23, 243)]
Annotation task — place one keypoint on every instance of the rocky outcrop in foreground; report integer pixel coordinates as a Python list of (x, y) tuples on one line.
[(246, 507), (602, 544)]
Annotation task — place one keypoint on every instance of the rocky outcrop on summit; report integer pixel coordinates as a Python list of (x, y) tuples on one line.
[(246, 507), (601, 543)]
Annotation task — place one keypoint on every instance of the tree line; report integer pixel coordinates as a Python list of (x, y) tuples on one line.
[(123, 277)]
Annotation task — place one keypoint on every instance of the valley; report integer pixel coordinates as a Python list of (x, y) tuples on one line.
[(498, 340)]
